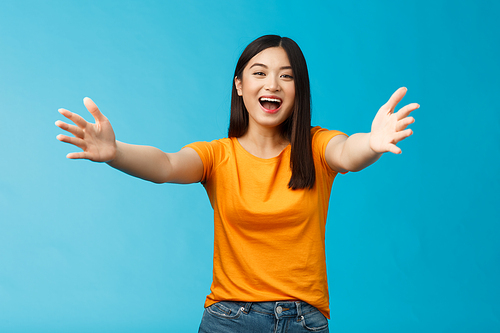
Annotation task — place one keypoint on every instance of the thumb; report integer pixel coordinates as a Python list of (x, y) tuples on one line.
[(94, 110)]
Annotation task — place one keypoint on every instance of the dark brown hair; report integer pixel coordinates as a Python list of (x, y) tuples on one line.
[(297, 127)]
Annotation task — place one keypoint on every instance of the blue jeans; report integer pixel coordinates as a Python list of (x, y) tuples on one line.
[(263, 317)]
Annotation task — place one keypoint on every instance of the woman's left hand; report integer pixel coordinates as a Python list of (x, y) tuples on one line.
[(389, 127)]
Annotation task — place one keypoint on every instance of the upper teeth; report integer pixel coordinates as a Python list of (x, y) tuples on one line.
[(266, 99)]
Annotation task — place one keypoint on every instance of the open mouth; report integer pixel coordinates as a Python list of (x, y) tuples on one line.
[(270, 104)]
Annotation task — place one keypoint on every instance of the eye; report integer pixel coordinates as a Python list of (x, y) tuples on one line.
[(259, 73), (287, 76)]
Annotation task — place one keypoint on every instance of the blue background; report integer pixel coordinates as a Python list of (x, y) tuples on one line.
[(412, 241)]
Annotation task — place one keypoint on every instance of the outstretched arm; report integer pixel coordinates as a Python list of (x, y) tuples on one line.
[(363, 149), (99, 145)]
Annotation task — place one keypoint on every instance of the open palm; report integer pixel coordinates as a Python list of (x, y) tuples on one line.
[(96, 140), (389, 127)]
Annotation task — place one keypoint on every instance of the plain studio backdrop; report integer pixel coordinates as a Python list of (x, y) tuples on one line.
[(412, 241)]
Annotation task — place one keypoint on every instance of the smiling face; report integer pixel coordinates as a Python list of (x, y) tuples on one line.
[(268, 88)]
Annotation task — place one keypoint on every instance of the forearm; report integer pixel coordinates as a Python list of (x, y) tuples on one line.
[(146, 162), (357, 154)]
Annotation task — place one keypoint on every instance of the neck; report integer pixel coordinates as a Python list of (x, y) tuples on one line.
[(263, 142)]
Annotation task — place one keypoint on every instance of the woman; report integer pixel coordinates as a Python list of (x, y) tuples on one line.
[(269, 183)]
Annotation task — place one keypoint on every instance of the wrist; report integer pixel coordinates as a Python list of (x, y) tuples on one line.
[(375, 148), (115, 153)]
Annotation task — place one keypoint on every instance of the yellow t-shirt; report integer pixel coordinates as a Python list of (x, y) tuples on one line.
[(269, 240)]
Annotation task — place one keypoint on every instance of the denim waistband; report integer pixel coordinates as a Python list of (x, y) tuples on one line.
[(279, 309)]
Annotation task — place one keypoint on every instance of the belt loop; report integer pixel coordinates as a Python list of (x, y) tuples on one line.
[(299, 310), (247, 307)]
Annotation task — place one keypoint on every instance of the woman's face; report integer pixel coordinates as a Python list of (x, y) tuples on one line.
[(267, 87)]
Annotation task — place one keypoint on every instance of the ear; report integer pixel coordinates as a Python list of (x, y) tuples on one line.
[(237, 84)]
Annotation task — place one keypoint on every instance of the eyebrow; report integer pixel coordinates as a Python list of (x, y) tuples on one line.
[(262, 65)]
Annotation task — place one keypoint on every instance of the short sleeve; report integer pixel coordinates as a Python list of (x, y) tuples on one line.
[(320, 139), (209, 153), (206, 153)]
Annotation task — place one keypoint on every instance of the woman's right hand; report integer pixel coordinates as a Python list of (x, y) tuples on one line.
[(96, 140)]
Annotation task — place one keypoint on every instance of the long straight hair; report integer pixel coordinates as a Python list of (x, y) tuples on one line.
[(297, 127)]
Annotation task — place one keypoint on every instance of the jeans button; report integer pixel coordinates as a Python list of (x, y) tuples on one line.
[(279, 310)]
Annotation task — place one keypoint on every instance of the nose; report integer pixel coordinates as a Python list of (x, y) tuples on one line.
[(272, 83)]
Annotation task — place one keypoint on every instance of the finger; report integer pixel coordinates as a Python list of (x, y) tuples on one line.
[(394, 149), (94, 110), (403, 123), (72, 140), (396, 98), (78, 120), (75, 130), (406, 110), (75, 156), (402, 135)]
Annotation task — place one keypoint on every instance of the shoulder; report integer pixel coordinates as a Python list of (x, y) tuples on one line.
[(211, 154), (320, 137), (322, 140), (206, 147), (215, 151)]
